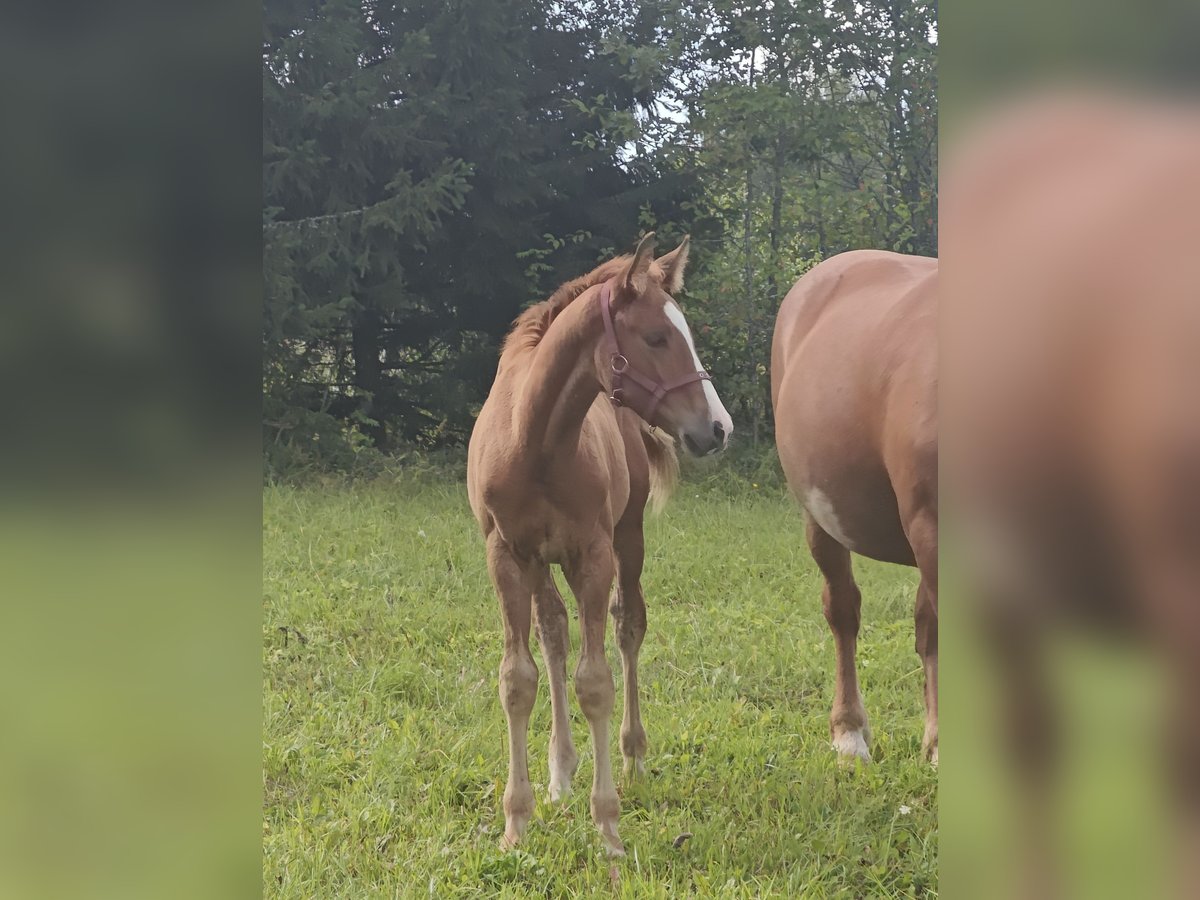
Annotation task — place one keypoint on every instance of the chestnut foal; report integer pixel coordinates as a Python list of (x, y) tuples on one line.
[(561, 464)]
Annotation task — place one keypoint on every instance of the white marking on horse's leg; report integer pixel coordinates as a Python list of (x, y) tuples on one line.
[(553, 635), (563, 763), (852, 744), (594, 688), (849, 741), (518, 688), (820, 507), (930, 742), (716, 409), (518, 684), (591, 579)]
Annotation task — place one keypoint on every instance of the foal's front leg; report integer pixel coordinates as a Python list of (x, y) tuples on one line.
[(518, 682), (590, 575)]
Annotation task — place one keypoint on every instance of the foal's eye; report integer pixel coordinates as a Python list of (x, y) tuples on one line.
[(657, 339)]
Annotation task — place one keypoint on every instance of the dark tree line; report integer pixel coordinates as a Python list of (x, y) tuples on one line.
[(431, 167)]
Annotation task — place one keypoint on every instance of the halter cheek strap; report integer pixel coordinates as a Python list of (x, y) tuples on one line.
[(621, 369)]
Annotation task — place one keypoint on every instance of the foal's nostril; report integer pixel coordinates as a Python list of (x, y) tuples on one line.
[(718, 431)]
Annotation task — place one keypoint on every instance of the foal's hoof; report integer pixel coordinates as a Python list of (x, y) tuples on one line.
[(514, 827), (933, 756), (635, 768), (612, 844), (509, 841), (852, 746)]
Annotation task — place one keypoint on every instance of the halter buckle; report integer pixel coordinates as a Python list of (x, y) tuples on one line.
[(615, 397), (623, 361)]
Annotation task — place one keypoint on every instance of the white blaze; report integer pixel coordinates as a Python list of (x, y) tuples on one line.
[(851, 744), (716, 409)]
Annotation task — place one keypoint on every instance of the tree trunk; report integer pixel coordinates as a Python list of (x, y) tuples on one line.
[(895, 128), (776, 221), (368, 373), (818, 196), (774, 264), (752, 360)]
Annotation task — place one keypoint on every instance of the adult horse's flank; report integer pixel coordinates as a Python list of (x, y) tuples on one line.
[(854, 388), (561, 464)]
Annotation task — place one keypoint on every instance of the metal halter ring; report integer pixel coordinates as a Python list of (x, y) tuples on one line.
[(655, 391)]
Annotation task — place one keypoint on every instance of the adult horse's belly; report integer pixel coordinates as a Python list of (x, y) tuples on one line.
[(843, 351), (841, 481)]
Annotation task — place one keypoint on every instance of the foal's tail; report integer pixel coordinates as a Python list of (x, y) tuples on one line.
[(664, 466)]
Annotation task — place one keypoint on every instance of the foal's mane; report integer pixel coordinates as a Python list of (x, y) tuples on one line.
[(531, 325)]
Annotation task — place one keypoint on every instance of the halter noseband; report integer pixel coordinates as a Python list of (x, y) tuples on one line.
[(621, 369)]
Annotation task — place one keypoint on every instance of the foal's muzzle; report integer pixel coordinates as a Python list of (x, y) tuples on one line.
[(705, 442)]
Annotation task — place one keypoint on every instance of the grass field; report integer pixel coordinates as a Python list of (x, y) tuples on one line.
[(384, 742)]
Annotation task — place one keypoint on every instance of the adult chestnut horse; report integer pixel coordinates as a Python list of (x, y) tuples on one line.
[(561, 464), (854, 388), (1072, 352)]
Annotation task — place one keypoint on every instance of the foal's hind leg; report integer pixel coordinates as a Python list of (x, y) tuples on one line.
[(842, 602), (518, 682), (550, 615), (629, 622)]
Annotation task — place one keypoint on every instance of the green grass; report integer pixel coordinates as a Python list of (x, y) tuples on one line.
[(384, 742)]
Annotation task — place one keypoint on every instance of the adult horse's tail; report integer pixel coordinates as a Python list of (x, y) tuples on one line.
[(664, 466)]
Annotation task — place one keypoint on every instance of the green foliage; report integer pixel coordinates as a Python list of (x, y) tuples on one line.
[(430, 168), (415, 156), (384, 742), (819, 135)]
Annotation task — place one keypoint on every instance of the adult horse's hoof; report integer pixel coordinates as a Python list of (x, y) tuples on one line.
[(852, 745)]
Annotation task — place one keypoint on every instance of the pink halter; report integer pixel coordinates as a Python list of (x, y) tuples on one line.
[(621, 369)]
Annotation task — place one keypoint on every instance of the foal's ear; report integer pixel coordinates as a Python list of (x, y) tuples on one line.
[(673, 264), (639, 265)]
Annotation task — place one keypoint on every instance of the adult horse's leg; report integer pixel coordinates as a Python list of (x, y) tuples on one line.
[(590, 575), (629, 622), (1185, 769), (1031, 734), (518, 682), (926, 616), (842, 603), (922, 532), (550, 615)]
